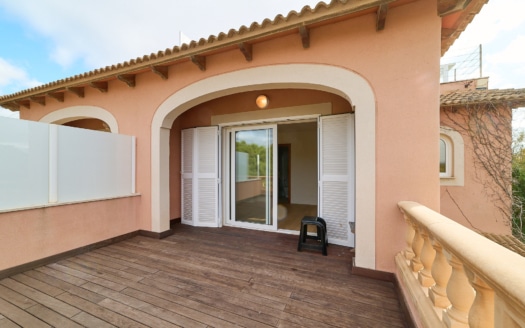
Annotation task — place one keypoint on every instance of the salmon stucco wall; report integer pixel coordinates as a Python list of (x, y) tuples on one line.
[(483, 202), (30, 235), (407, 125), (400, 63), (91, 124)]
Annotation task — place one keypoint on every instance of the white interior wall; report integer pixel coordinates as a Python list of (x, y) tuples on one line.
[(303, 140)]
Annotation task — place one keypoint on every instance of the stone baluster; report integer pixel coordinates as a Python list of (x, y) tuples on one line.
[(481, 313), (417, 244), (461, 295), (441, 271), (427, 259), (408, 253)]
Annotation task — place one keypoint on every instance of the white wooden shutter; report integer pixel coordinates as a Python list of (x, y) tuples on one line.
[(187, 176), (336, 176), (200, 169), (206, 192)]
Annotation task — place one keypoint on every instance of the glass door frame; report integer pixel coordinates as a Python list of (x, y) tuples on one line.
[(229, 171)]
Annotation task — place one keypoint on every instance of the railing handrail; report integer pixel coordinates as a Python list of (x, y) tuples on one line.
[(502, 269)]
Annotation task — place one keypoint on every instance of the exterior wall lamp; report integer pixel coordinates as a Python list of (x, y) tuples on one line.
[(262, 101)]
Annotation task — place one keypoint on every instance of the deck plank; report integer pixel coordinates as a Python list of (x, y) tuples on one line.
[(37, 284), (146, 307), (201, 277), (19, 316), (51, 317), (37, 296), (87, 320), (100, 312), (6, 323), (15, 298), (59, 280), (223, 302), (165, 300)]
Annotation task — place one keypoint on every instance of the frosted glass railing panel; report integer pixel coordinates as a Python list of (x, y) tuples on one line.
[(93, 164), (24, 163), (42, 164)]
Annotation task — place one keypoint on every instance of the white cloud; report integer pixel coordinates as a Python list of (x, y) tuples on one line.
[(100, 32), (14, 78), (495, 18), (513, 53), (9, 72), (7, 113), (501, 32), (505, 63)]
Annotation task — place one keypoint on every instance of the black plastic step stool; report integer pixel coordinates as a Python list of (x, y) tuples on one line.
[(321, 238)]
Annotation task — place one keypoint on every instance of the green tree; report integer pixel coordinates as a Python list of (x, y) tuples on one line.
[(518, 185), (253, 150)]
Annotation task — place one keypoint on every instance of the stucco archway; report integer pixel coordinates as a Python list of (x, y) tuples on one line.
[(332, 79), (80, 112)]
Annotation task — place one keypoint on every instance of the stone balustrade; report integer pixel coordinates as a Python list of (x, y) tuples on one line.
[(452, 276)]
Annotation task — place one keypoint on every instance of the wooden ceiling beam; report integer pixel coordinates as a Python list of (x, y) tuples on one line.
[(129, 79), (447, 7), (447, 32), (200, 61), (79, 91), (305, 36), (24, 103), (381, 17), (12, 106), (247, 50), (58, 96), (161, 71), (41, 100), (101, 86)]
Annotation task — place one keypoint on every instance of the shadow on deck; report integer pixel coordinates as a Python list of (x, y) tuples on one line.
[(200, 277)]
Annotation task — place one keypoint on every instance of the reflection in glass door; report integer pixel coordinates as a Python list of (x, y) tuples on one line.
[(252, 171)]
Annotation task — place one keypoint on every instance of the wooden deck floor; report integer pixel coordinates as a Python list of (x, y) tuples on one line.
[(200, 277)]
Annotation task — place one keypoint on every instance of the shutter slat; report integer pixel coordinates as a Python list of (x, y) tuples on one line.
[(336, 185), (199, 180)]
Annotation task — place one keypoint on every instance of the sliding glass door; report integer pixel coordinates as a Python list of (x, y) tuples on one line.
[(253, 177)]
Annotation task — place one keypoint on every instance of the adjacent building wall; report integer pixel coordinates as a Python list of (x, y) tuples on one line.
[(483, 202)]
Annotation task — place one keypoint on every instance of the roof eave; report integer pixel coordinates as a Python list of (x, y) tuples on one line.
[(456, 16), (222, 42), (294, 22), (510, 98)]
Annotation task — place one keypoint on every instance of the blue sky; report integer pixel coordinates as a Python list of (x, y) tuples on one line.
[(46, 40)]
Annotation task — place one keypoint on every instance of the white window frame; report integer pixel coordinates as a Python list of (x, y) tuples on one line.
[(448, 157), (454, 174)]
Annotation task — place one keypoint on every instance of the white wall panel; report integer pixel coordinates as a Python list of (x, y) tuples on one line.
[(92, 164), (38, 167), (24, 163)]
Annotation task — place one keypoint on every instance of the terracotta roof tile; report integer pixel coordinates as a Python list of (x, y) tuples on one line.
[(507, 241), (513, 97)]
